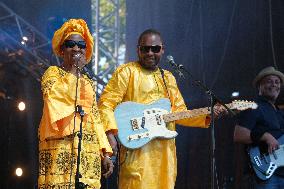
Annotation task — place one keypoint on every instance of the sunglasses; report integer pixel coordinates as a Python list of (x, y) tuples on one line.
[(71, 44), (154, 49)]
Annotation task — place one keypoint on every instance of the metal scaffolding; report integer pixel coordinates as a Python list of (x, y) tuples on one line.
[(23, 43), (108, 20)]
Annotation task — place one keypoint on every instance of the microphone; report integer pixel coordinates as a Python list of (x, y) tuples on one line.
[(77, 58), (171, 61), (177, 67)]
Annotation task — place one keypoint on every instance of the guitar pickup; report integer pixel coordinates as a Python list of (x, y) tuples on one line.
[(257, 161), (137, 123), (134, 124)]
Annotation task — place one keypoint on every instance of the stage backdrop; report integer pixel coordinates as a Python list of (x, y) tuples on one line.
[(223, 43)]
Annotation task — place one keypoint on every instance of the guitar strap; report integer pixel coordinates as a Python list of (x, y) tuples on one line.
[(164, 81)]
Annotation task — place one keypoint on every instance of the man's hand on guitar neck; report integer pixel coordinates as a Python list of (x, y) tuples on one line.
[(219, 111), (271, 142)]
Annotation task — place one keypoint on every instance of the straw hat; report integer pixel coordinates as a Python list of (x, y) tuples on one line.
[(268, 71)]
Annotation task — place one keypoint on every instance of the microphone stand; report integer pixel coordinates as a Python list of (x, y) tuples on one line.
[(78, 184), (213, 100), (78, 109)]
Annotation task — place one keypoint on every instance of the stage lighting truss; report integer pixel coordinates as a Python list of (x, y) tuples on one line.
[(24, 44), (108, 21)]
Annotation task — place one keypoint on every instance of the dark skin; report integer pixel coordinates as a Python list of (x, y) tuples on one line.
[(70, 61), (150, 61), (74, 64)]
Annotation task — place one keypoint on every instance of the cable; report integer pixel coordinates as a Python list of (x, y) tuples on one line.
[(271, 34), (202, 63), (225, 46)]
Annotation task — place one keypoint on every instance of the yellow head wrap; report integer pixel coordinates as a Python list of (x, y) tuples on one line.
[(73, 26)]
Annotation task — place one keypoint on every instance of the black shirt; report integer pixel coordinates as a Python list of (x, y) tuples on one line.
[(265, 116)]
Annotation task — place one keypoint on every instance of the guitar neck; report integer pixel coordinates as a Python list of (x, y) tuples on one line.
[(188, 114)]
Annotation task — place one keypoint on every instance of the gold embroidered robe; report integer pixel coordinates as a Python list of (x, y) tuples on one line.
[(153, 166), (56, 131)]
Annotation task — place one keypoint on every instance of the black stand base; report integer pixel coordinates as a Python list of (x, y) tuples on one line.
[(80, 185)]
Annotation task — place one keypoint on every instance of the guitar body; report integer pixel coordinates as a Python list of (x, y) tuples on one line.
[(138, 123), (265, 165)]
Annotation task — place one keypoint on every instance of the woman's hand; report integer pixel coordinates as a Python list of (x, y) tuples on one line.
[(107, 166), (112, 141), (79, 61)]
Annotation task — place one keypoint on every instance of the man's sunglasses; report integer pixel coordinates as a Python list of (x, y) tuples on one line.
[(71, 44), (154, 49)]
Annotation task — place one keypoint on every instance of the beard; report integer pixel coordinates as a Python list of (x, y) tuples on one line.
[(149, 65), (271, 94)]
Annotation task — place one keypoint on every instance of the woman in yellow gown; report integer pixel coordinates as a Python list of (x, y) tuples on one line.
[(58, 141)]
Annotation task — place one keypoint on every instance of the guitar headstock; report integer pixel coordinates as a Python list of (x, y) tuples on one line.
[(243, 105)]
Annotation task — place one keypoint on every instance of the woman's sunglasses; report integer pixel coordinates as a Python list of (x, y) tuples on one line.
[(154, 49), (71, 44)]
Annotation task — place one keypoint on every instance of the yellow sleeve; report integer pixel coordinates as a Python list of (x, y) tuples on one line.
[(113, 95), (100, 132), (59, 95), (178, 105)]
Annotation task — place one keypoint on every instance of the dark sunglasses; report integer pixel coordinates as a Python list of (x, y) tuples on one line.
[(71, 44), (154, 49)]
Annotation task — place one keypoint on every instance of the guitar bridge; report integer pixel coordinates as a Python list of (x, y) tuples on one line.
[(138, 136)]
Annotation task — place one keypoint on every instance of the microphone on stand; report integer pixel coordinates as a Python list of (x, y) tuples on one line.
[(87, 71), (77, 58), (171, 61), (177, 67), (84, 70)]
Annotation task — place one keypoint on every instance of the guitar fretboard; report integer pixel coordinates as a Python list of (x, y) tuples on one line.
[(188, 114)]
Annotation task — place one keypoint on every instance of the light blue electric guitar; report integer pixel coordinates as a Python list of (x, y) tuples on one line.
[(138, 123)]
